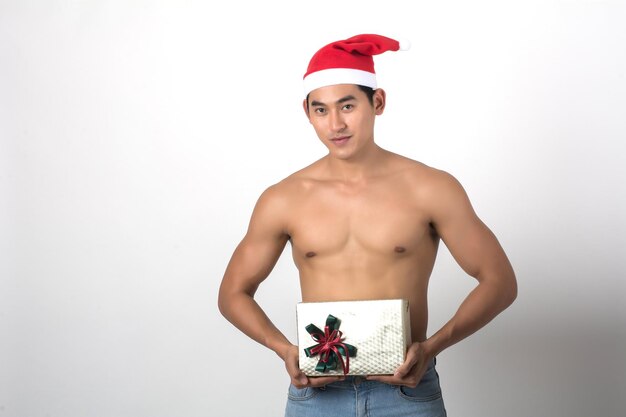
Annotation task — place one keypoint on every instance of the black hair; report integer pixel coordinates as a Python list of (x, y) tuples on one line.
[(369, 92)]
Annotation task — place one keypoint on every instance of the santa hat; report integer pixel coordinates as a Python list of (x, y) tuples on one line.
[(348, 61)]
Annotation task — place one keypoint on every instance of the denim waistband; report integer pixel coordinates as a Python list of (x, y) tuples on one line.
[(357, 381)]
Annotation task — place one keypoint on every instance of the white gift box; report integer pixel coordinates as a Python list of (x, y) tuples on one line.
[(380, 330)]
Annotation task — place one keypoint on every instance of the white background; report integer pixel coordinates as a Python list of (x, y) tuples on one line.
[(136, 136)]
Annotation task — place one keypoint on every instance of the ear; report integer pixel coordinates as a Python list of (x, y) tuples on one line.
[(305, 107), (379, 99)]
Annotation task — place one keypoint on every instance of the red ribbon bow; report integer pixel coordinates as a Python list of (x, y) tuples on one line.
[(330, 346)]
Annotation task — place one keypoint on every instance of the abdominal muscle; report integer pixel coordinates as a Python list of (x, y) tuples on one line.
[(353, 277)]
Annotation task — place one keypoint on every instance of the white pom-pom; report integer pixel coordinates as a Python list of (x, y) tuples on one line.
[(405, 44)]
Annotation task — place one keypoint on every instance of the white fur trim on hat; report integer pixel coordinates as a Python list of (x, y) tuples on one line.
[(335, 76), (405, 44)]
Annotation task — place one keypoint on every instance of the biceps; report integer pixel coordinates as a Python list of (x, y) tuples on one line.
[(473, 246), (252, 262)]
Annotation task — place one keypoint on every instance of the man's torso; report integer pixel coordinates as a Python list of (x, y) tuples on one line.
[(371, 239)]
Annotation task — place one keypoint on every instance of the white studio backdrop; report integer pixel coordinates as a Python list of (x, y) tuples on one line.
[(136, 136)]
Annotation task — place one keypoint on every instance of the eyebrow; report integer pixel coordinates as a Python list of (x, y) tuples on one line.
[(340, 101)]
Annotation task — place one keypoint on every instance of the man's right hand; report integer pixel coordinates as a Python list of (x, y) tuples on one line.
[(298, 378)]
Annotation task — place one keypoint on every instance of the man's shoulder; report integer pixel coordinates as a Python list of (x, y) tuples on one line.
[(426, 176), (299, 180), (434, 190), (292, 185)]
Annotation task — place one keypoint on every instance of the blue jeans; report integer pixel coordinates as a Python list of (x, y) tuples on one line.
[(357, 397)]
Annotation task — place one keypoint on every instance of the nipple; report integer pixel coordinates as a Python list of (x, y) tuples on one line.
[(310, 254)]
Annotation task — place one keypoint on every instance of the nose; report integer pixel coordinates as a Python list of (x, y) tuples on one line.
[(337, 122)]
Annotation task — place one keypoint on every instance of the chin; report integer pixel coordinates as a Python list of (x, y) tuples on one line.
[(344, 156)]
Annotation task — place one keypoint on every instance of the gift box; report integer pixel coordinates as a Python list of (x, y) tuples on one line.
[(368, 337)]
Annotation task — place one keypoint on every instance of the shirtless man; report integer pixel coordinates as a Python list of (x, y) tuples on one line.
[(366, 224)]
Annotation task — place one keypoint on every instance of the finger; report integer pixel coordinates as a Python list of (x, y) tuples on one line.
[(293, 369), (404, 369), (387, 379), (408, 364), (295, 373), (299, 378), (324, 380), (393, 380)]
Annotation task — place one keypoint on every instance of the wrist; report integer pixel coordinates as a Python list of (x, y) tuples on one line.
[(435, 344), (281, 348)]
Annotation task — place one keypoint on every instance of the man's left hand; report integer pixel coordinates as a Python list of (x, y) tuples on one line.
[(410, 373)]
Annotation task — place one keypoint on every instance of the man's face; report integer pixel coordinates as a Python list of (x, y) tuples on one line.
[(343, 118)]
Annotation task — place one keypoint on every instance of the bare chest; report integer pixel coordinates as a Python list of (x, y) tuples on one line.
[(374, 222)]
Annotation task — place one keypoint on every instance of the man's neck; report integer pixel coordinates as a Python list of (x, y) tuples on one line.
[(357, 169)]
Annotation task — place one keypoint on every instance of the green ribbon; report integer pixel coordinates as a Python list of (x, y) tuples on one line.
[(329, 346)]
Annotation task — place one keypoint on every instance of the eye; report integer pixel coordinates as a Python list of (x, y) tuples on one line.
[(348, 107), (320, 110)]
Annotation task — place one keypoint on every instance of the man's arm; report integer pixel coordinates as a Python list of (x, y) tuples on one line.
[(476, 249), (252, 261), (478, 252)]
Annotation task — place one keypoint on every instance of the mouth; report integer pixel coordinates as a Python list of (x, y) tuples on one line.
[(340, 140)]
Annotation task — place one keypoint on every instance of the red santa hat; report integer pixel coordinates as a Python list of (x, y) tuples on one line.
[(348, 61)]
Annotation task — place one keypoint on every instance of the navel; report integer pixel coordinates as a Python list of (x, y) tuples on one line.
[(399, 249), (310, 254)]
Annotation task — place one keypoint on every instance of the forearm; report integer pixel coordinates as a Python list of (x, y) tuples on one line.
[(244, 312), (481, 306)]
